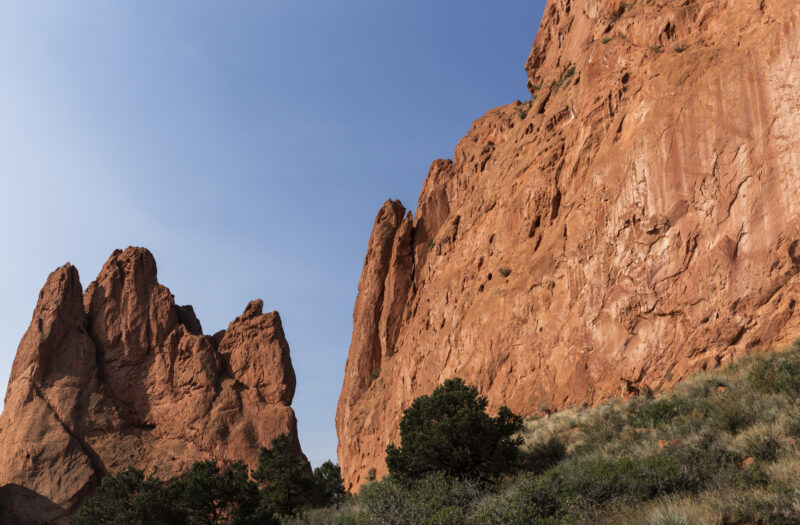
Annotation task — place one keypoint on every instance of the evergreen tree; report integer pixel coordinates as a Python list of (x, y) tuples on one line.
[(449, 431), (284, 478), (130, 499), (328, 485), (209, 495), (213, 497)]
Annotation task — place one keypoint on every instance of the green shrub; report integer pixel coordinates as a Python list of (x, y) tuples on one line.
[(595, 481), (675, 459), (450, 515), (763, 447), (793, 426), (777, 374), (131, 499), (541, 456), (522, 108), (349, 515), (449, 431), (655, 413), (532, 500), (730, 415), (432, 500), (567, 75)]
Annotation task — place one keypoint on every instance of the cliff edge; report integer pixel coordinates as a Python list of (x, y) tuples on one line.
[(636, 221)]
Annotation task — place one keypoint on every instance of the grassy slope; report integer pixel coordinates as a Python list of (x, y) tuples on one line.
[(722, 447)]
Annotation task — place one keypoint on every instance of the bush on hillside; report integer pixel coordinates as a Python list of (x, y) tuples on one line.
[(449, 431), (434, 499)]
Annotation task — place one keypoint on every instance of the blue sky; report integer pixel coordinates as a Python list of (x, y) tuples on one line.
[(247, 144)]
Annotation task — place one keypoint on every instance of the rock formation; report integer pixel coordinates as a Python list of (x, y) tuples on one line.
[(21, 506), (637, 220), (120, 376)]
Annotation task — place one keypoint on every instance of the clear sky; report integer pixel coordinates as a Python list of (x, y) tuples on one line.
[(247, 144)]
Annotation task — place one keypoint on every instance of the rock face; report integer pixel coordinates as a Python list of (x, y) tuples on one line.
[(636, 221), (21, 506), (121, 376)]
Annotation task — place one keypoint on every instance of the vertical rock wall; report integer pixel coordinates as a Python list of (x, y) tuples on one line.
[(636, 221)]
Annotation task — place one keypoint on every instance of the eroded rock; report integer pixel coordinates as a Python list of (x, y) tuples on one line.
[(120, 376), (635, 222)]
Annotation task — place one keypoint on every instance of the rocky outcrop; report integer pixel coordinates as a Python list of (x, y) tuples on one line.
[(21, 506), (636, 221), (120, 376)]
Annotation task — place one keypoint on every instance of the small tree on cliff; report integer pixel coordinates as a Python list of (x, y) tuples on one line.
[(449, 431)]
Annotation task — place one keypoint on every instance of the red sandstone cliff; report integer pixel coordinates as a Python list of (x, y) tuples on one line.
[(121, 376), (637, 221)]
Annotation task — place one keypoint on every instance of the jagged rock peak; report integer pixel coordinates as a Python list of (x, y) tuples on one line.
[(121, 376)]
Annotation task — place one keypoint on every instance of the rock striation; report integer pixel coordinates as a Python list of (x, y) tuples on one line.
[(120, 376), (637, 220)]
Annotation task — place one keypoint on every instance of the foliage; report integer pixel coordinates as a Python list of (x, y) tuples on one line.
[(328, 486), (543, 455), (523, 107), (450, 431), (556, 85), (433, 499), (283, 475), (131, 499), (722, 447), (208, 495)]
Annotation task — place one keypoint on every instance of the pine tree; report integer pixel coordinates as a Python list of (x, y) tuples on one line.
[(328, 485), (449, 431), (284, 477), (131, 499)]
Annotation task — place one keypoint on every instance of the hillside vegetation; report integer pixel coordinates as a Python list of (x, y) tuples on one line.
[(721, 448)]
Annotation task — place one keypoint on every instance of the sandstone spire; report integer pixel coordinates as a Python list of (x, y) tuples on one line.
[(121, 376)]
